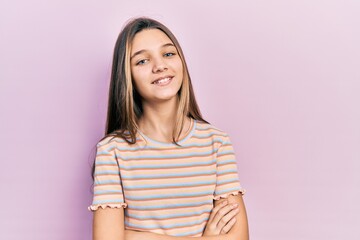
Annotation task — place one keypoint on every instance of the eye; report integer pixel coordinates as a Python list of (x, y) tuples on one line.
[(169, 54), (141, 62)]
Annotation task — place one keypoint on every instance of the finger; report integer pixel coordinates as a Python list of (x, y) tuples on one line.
[(228, 226), (222, 212), (225, 219), (216, 209), (231, 214)]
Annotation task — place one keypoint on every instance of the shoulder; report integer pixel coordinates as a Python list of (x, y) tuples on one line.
[(109, 141), (208, 128), (112, 141)]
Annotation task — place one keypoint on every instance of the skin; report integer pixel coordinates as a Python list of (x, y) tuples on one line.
[(235, 227), (153, 56)]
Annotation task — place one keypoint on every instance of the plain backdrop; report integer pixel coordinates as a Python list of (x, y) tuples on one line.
[(281, 77)]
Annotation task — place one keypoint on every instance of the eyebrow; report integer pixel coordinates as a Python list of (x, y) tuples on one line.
[(143, 50)]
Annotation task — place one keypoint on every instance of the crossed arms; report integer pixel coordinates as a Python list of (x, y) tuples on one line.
[(108, 224)]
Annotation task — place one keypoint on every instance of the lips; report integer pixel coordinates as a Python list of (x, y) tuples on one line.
[(165, 78)]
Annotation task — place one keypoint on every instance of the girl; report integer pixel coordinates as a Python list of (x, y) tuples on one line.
[(161, 171)]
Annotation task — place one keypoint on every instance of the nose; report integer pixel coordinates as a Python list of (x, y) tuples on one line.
[(159, 65)]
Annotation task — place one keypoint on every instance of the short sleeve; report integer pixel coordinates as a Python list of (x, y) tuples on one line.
[(108, 190), (227, 179)]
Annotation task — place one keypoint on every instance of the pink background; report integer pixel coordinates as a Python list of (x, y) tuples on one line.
[(281, 77)]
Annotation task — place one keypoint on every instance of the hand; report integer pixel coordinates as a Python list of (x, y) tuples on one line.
[(222, 219)]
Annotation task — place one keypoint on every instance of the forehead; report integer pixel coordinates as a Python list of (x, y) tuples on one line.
[(149, 39)]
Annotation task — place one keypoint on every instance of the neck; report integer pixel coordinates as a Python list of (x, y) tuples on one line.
[(158, 120)]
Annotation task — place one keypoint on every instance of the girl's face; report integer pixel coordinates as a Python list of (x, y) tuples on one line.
[(156, 67)]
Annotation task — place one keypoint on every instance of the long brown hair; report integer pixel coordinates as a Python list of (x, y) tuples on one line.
[(124, 105)]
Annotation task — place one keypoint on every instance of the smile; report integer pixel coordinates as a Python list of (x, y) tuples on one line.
[(163, 81)]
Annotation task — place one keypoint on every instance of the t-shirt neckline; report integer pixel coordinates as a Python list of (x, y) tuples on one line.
[(167, 144)]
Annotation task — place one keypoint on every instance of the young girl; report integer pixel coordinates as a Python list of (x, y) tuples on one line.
[(161, 171)]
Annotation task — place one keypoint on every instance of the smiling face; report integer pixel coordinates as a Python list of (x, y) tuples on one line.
[(156, 67)]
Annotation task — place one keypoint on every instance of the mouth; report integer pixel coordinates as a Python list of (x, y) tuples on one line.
[(162, 80)]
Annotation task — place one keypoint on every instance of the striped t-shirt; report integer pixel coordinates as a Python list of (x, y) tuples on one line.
[(162, 187)]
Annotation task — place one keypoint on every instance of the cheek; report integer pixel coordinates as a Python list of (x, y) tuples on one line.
[(138, 83), (139, 75), (180, 71), (178, 66)]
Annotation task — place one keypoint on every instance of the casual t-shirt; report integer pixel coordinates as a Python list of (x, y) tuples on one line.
[(162, 187)]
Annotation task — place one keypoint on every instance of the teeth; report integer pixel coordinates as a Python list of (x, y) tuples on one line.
[(162, 80)]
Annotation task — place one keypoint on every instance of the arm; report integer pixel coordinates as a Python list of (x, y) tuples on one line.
[(238, 232), (108, 224), (108, 200)]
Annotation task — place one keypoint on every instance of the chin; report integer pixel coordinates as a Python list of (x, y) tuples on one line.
[(166, 97)]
